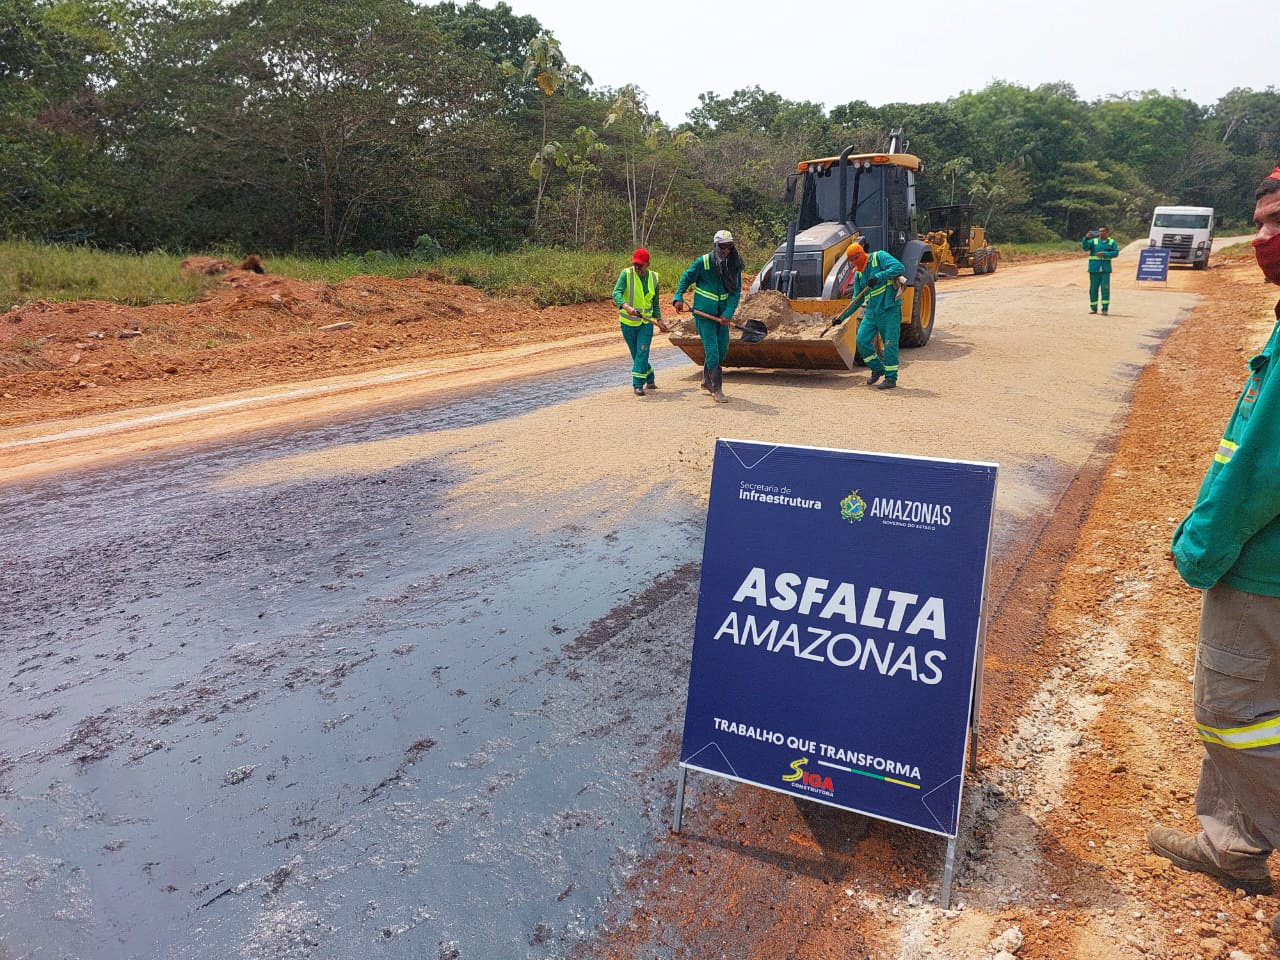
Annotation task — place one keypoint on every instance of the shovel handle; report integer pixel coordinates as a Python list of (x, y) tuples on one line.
[(707, 316)]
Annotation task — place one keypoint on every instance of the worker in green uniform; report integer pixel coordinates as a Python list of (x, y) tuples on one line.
[(1102, 250), (636, 297), (873, 284), (716, 278), (1229, 547)]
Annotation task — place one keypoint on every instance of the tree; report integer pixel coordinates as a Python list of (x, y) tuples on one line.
[(579, 160), (54, 56), (954, 169), (290, 123), (545, 66), (647, 146)]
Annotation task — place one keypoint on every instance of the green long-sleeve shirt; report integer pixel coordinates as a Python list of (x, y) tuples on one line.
[(1101, 253), (1232, 533), (709, 295)]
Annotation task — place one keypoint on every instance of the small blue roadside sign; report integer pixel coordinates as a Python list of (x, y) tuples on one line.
[(1153, 264), (839, 628)]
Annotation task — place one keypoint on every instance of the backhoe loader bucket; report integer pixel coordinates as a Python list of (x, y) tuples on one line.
[(821, 347)]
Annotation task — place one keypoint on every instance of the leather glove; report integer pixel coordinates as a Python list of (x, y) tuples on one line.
[(679, 305)]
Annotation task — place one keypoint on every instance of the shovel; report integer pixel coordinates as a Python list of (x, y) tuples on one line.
[(856, 303), (753, 331)]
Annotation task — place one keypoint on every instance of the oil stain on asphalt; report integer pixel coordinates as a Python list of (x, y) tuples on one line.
[(335, 716)]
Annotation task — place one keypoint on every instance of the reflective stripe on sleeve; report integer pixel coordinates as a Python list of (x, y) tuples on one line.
[(1226, 449)]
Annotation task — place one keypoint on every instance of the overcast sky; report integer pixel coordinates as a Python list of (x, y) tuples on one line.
[(929, 51)]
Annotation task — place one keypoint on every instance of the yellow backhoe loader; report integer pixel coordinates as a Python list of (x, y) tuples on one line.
[(869, 198)]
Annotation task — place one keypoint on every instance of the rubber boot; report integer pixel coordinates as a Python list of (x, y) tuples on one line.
[(717, 383), (706, 379)]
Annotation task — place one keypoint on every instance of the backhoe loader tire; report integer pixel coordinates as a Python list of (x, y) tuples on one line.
[(979, 262), (993, 260), (916, 330)]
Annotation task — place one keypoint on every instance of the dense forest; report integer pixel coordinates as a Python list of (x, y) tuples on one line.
[(327, 128)]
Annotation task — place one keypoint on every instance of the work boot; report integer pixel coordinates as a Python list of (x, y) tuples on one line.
[(875, 375), (1183, 850), (651, 385), (888, 385), (717, 386), (706, 379), (640, 391)]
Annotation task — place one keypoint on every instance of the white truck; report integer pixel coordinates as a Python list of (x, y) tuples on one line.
[(1186, 232)]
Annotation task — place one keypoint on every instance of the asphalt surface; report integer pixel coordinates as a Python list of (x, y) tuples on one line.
[(325, 717)]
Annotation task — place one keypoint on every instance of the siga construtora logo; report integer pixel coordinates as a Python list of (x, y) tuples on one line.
[(853, 508), (814, 781)]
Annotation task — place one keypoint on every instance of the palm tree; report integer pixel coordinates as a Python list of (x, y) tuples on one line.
[(546, 66)]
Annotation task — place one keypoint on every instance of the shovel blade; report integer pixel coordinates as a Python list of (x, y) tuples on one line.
[(753, 331)]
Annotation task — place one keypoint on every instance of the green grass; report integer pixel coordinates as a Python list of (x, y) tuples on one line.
[(549, 277), (540, 275), (1013, 252), (38, 271), (1235, 250), (337, 269)]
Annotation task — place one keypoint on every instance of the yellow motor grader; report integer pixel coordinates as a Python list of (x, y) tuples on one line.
[(868, 198), (961, 242)]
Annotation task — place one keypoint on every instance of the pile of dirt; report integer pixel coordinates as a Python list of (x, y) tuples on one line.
[(252, 328), (773, 310)]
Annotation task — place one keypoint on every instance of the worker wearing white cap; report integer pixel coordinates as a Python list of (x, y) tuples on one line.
[(716, 278)]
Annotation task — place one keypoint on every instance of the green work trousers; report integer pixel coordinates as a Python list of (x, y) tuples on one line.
[(1100, 283), (638, 341), (715, 341), (888, 324)]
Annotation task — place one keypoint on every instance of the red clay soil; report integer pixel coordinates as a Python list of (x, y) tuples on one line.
[(70, 359)]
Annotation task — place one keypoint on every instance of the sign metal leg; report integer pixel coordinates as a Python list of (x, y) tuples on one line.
[(675, 825), (948, 873)]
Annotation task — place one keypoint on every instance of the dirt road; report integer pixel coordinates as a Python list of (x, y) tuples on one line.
[(1085, 726)]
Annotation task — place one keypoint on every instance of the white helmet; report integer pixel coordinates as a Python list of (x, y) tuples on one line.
[(721, 237)]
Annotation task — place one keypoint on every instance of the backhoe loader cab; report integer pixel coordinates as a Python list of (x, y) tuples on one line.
[(869, 198)]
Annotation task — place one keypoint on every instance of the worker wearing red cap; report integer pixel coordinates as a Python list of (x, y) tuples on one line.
[(873, 284), (1229, 547), (636, 296)]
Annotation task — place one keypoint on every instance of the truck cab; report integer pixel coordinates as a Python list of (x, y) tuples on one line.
[(1186, 232)]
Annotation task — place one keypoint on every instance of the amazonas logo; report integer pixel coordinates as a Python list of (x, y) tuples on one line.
[(813, 782), (853, 508), (896, 512)]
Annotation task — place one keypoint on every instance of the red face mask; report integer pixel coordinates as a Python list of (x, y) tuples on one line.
[(1267, 253)]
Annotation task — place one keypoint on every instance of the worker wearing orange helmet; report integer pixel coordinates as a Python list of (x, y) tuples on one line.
[(636, 297), (873, 283)]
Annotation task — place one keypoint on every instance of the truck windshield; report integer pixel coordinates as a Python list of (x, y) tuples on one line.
[(821, 202), (1181, 221)]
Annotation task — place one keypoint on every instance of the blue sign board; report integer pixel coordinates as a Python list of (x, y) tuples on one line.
[(1153, 264), (839, 625)]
